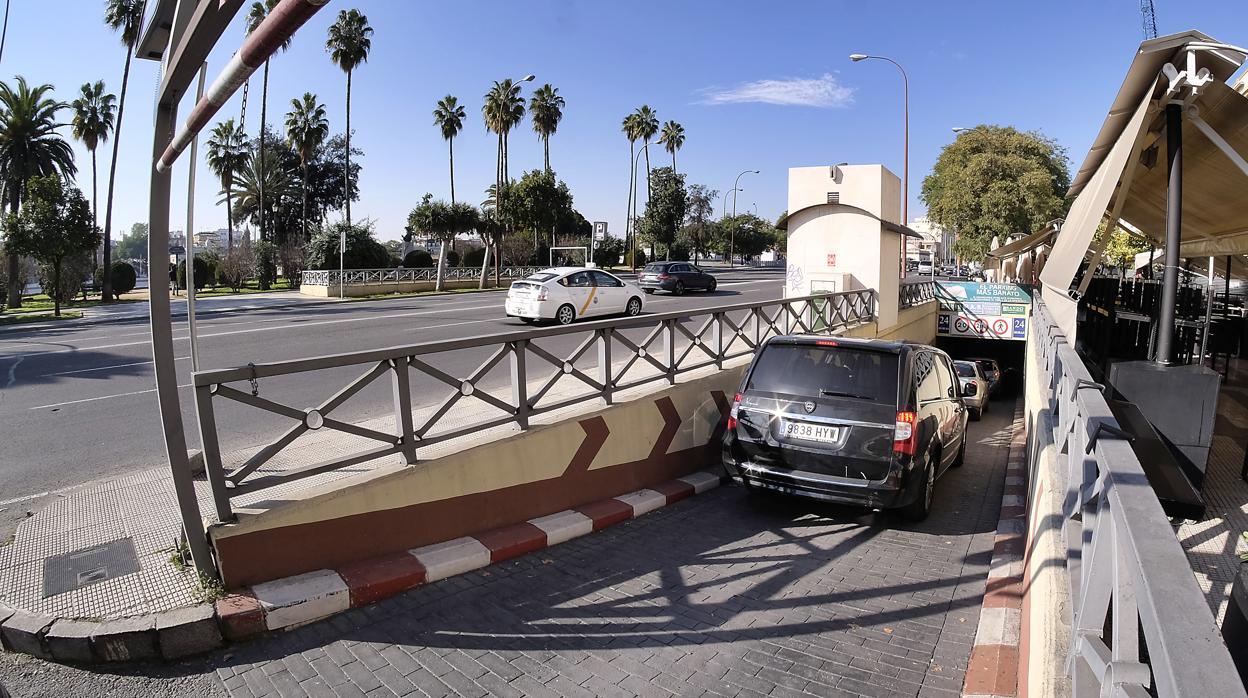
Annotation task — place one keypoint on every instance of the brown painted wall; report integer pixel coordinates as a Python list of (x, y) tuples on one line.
[(659, 436)]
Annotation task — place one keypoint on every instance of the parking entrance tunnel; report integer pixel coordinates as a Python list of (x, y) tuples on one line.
[(1009, 355)]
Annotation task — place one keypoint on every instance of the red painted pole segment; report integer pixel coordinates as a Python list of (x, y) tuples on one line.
[(281, 23)]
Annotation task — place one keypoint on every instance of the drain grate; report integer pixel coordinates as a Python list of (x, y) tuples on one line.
[(85, 566)]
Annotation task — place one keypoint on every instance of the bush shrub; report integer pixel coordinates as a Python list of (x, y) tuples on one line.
[(474, 257), (418, 259), (452, 258), (202, 272), (75, 270), (124, 278), (641, 258), (234, 268), (363, 250)]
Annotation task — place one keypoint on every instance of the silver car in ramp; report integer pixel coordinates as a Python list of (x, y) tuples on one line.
[(974, 387)]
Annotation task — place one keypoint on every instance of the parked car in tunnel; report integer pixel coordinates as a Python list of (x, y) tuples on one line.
[(992, 371), (855, 421), (974, 385)]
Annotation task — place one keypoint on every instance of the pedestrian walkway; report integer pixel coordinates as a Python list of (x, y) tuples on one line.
[(1212, 542), (721, 594)]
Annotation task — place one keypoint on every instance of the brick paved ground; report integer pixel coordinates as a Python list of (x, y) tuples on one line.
[(722, 594)]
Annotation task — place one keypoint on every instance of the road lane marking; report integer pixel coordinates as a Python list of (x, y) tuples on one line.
[(13, 371), (105, 368), (101, 397)]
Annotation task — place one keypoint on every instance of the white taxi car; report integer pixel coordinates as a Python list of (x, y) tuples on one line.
[(564, 294)]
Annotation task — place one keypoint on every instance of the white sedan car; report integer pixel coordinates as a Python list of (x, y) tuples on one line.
[(564, 294)]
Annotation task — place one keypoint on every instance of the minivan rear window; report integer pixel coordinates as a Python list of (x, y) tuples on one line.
[(827, 371)]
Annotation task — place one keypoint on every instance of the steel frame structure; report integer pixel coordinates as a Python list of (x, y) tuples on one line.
[(1129, 576), (330, 277)]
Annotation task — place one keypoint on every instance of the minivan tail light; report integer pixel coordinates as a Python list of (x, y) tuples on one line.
[(905, 436), (732, 413)]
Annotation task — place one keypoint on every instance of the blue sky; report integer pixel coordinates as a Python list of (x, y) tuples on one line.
[(757, 85)]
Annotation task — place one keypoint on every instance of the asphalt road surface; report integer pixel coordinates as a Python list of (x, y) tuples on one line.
[(77, 403)]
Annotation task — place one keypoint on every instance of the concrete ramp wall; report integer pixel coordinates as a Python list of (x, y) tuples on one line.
[(915, 324), (590, 454)]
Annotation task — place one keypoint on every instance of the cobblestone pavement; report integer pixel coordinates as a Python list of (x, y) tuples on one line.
[(721, 594)]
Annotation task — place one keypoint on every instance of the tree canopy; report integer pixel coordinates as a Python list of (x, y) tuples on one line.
[(996, 180), (55, 222), (665, 210)]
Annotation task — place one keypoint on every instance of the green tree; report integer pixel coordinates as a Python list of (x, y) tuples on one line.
[(126, 18), (541, 205), (449, 116), (133, 245), (1122, 247), (93, 122), (699, 209), (665, 211), (631, 131), (55, 222), (124, 278), (255, 17), (996, 180), (546, 111), (348, 44), (363, 249), (746, 234), (30, 146), (227, 154), (673, 139), (437, 219), (502, 110), (306, 129)]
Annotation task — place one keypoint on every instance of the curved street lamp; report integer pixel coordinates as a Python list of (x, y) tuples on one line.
[(732, 235), (905, 147), (633, 217)]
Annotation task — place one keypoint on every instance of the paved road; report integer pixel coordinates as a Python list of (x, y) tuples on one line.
[(721, 594), (78, 402)]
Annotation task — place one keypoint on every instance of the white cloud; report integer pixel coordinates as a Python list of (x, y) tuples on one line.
[(824, 91)]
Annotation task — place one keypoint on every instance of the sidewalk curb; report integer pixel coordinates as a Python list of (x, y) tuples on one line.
[(288, 603), (992, 671)]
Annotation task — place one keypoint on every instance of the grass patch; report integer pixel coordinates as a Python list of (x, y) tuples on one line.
[(6, 318), (41, 303), (248, 288)]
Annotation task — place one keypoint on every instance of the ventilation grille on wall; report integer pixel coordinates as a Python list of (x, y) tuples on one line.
[(834, 197)]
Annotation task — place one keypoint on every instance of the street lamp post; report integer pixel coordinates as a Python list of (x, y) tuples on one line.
[(633, 216), (732, 234), (905, 162), (498, 209)]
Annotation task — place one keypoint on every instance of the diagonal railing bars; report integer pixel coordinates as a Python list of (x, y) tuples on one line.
[(713, 336), (1130, 580), (912, 293), (329, 277)]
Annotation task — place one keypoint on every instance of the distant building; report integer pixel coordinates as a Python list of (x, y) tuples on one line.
[(212, 240), (936, 242)]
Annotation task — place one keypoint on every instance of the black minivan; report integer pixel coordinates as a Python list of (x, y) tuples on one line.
[(856, 421)]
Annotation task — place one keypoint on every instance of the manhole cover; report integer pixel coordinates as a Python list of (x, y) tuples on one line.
[(79, 568)]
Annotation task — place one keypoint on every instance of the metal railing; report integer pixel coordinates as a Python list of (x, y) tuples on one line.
[(329, 277), (912, 293), (1129, 577), (673, 343)]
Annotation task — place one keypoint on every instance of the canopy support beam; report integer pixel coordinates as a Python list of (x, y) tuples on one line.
[(1174, 226)]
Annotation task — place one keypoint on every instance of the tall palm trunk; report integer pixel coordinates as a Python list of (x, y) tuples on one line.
[(673, 162), (16, 284), (546, 150), (229, 216), (487, 237), (647, 173), (450, 147), (95, 210), (498, 244), (106, 288), (347, 173), (628, 209), (305, 202)]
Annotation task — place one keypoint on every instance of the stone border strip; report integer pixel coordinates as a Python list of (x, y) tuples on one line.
[(993, 668), (290, 602)]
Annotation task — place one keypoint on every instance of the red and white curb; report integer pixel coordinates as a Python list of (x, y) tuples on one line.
[(993, 668), (304, 598)]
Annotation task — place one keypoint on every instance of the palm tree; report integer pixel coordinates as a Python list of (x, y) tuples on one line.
[(647, 126), (259, 11), (126, 17), (227, 155), (30, 146), (306, 129), (546, 111), (260, 173), (449, 117), (672, 138), (629, 127), (348, 45), (93, 121), (503, 110)]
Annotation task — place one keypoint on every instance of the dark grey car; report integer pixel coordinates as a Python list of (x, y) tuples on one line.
[(675, 277), (855, 421)]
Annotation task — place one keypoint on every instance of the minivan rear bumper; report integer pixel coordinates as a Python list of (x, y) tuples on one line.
[(890, 493)]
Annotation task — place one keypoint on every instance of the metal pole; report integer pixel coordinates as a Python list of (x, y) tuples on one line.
[(190, 232), (162, 351), (1174, 226), (1204, 337), (342, 250), (732, 235)]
